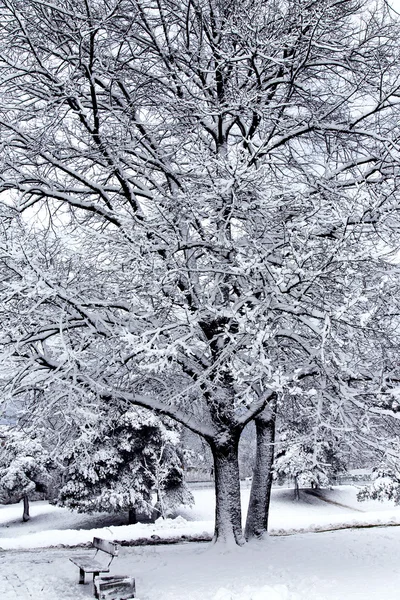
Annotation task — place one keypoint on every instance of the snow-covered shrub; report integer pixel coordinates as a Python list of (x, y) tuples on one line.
[(385, 486)]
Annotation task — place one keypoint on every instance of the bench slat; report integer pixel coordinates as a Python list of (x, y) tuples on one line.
[(117, 587), (89, 565), (106, 546)]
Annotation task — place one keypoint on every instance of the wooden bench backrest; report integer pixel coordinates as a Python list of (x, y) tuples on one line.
[(106, 546)]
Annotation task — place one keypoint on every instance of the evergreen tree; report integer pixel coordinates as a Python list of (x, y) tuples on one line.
[(119, 462)]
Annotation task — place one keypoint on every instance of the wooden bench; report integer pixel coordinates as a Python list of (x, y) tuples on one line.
[(116, 587), (91, 564)]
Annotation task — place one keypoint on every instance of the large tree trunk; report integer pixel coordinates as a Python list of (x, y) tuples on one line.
[(228, 513), (25, 514), (260, 494)]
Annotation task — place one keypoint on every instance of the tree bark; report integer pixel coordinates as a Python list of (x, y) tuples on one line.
[(132, 518), (228, 513), (25, 514), (260, 494), (296, 489)]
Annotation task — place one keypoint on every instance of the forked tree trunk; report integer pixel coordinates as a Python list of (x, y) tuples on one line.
[(260, 494), (25, 514), (228, 513)]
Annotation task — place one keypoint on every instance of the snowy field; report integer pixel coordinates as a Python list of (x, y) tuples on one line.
[(358, 563)]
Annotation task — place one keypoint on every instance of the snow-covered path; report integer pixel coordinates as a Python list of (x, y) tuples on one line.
[(40, 575), (341, 565)]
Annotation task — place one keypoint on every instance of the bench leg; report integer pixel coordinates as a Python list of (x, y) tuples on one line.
[(94, 587), (81, 576)]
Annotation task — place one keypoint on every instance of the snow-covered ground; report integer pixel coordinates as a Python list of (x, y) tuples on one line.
[(353, 564), (54, 526)]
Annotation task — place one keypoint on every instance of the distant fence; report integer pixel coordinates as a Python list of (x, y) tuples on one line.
[(206, 478), (353, 478)]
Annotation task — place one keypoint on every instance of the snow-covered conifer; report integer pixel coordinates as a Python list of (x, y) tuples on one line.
[(120, 461)]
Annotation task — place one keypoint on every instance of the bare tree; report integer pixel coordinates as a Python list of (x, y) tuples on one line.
[(199, 183)]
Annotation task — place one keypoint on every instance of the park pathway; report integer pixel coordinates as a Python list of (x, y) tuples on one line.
[(40, 575)]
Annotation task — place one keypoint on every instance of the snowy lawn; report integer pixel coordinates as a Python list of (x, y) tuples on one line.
[(353, 564), (54, 526)]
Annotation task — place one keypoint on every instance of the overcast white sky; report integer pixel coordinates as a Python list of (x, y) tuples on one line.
[(395, 4)]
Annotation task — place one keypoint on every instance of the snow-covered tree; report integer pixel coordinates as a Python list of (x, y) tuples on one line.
[(25, 467), (312, 446), (203, 186), (118, 462), (314, 465)]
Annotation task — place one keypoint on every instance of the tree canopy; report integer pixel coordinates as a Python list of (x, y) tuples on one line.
[(205, 191)]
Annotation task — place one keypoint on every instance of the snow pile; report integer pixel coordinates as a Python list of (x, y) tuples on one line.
[(345, 521), (166, 529)]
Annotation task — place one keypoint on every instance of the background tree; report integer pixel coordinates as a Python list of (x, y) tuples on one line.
[(313, 444), (25, 467), (309, 465), (202, 183)]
